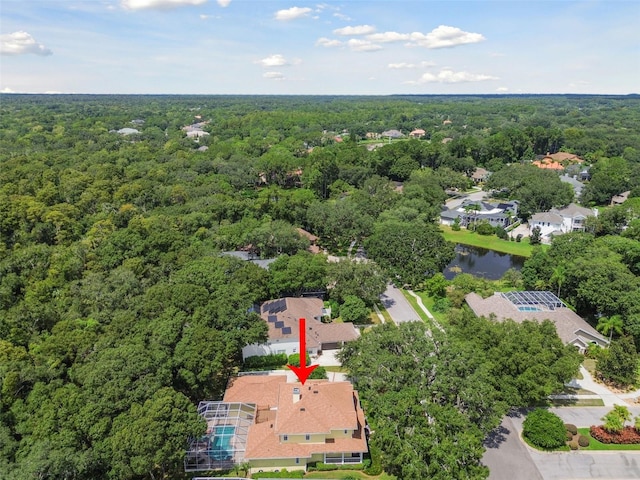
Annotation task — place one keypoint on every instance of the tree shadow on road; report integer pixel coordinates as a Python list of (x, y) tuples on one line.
[(496, 437)]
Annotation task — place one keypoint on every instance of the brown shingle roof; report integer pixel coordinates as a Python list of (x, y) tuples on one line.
[(568, 323), (310, 309)]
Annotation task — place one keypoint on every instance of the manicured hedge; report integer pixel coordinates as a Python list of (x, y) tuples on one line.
[(376, 461), (274, 360), (327, 467), (627, 436), (544, 429), (282, 474)]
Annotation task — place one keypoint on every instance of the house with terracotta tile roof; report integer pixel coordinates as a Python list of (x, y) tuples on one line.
[(283, 425), (282, 317), (417, 133)]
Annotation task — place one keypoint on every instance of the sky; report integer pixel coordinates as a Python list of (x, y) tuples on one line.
[(354, 47)]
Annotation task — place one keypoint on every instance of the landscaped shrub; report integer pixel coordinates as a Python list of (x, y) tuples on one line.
[(442, 305), (583, 441), (327, 467), (294, 360), (501, 233), (485, 229), (626, 436), (571, 428), (569, 436), (376, 462), (544, 429), (282, 474), (274, 360), (573, 445), (319, 373)]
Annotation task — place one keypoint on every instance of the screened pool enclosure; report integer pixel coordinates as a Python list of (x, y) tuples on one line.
[(224, 444)]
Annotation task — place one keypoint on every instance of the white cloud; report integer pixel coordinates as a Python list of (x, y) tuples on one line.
[(342, 16), (327, 42), (449, 76), (224, 3), (273, 61), (403, 65), (387, 37), (21, 43), (502, 89), (355, 30), (292, 13), (158, 4), (445, 36), (6, 90), (273, 75), (362, 45)]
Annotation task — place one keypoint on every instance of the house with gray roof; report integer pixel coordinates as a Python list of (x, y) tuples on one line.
[(571, 218), (538, 306), (497, 214)]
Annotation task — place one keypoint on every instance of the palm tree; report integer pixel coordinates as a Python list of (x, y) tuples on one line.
[(607, 325), (559, 276)]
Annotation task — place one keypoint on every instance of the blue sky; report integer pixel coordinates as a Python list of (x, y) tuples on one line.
[(298, 47)]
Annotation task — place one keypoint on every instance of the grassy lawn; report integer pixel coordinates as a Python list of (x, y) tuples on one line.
[(385, 314), (344, 473), (336, 368), (582, 402), (590, 365), (596, 445), (414, 303), (466, 237), (428, 302)]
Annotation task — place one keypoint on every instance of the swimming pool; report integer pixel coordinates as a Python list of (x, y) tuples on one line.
[(529, 309), (220, 443)]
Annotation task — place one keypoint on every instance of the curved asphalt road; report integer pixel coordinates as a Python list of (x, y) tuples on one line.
[(508, 458), (400, 310)]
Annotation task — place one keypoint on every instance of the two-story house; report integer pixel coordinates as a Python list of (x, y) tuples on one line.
[(284, 425), (282, 317), (571, 218)]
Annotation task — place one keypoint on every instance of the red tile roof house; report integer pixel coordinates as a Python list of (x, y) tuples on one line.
[(274, 425), (282, 317)]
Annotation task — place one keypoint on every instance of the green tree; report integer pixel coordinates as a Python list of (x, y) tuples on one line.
[(293, 275), (620, 365), (536, 236), (608, 325), (149, 438), (409, 252), (544, 429), (354, 310), (364, 280)]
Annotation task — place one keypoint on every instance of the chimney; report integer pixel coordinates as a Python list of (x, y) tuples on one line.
[(296, 395)]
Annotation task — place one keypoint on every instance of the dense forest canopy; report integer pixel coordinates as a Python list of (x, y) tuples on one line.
[(117, 307)]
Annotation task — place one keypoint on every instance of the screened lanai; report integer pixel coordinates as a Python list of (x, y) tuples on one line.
[(534, 301), (225, 442)]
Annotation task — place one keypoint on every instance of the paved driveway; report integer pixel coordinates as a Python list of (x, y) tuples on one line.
[(400, 310)]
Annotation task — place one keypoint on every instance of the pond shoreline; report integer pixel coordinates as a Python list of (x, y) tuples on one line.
[(490, 242)]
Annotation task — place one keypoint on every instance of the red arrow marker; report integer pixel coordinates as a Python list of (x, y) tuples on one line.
[(303, 372)]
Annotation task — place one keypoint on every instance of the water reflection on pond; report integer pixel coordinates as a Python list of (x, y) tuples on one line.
[(482, 262)]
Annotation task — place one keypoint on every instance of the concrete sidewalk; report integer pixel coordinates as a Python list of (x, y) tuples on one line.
[(599, 390)]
